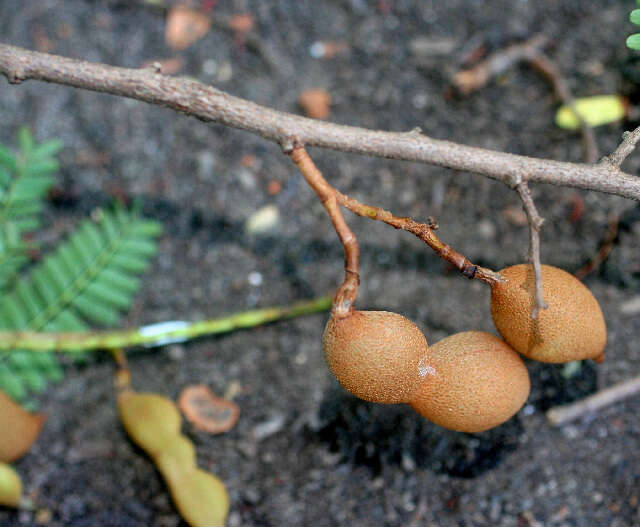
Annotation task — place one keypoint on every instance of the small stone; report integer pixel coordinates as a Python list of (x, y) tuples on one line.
[(225, 72), (263, 220), (486, 229), (269, 427), (631, 306)]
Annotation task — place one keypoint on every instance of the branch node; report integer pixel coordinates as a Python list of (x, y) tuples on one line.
[(513, 181), (16, 76), (288, 144)]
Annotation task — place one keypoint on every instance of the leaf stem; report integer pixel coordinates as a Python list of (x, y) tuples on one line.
[(155, 335)]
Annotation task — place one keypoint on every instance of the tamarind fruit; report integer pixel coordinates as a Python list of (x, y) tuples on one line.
[(571, 328), (375, 355), (475, 381)]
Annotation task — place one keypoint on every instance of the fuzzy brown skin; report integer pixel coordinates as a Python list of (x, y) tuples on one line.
[(18, 429), (475, 381), (375, 355), (571, 328)]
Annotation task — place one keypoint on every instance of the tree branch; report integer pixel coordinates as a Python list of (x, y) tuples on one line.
[(210, 104)]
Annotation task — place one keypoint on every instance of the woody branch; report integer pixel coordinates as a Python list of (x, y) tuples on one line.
[(210, 104)]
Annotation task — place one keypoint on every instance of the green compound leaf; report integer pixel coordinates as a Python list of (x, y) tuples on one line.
[(635, 17), (89, 279), (25, 180)]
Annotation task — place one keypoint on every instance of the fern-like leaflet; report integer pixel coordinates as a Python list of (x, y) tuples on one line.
[(25, 179), (90, 278)]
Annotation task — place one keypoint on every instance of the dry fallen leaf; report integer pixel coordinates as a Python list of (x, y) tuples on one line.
[(515, 216), (185, 26), (241, 23), (315, 103), (207, 412)]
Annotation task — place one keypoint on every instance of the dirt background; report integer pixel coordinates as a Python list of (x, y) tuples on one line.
[(303, 451)]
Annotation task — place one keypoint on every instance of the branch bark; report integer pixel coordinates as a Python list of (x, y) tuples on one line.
[(210, 104)]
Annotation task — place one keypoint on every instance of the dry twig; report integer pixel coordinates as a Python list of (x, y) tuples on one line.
[(470, 80), (535, 222), (547, 68), (604, 250), (210, 104), (628, 145), (564, 414)]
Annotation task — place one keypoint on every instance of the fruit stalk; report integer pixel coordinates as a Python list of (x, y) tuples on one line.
[(424, 231), (535, 223), (346, 294)]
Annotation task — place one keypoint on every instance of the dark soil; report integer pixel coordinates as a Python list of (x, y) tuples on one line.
[(331, 459)]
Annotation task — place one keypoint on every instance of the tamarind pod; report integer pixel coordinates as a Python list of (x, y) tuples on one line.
[(10, 486), (151, 420), (18, 429), (178, 457), (153, 423), (200, 497)]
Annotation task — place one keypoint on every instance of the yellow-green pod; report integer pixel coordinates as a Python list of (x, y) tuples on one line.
[(200, 497), (179, 456), (10, 486), (151, 420), (596, 111)]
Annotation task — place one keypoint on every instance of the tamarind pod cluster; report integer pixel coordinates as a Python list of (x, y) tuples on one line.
[(153, 423), (18, 429), (571, 328), (10, 487)]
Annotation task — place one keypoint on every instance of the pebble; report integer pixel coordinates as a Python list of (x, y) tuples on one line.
[(269, 427), (631, 306)]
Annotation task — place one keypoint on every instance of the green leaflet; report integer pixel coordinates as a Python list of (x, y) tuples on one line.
[(633, 41), (89, 279)]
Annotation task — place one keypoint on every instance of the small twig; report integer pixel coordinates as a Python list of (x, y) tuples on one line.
[(346, 295), (423, 231), (546, 67), (628, 145), (535, 222), (156, 334), (564, 414), (604, 250), (468, 81)]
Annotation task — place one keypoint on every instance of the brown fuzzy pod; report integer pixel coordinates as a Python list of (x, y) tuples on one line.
[(18, 429), (475, 381), (571, 328), (375, 355)]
